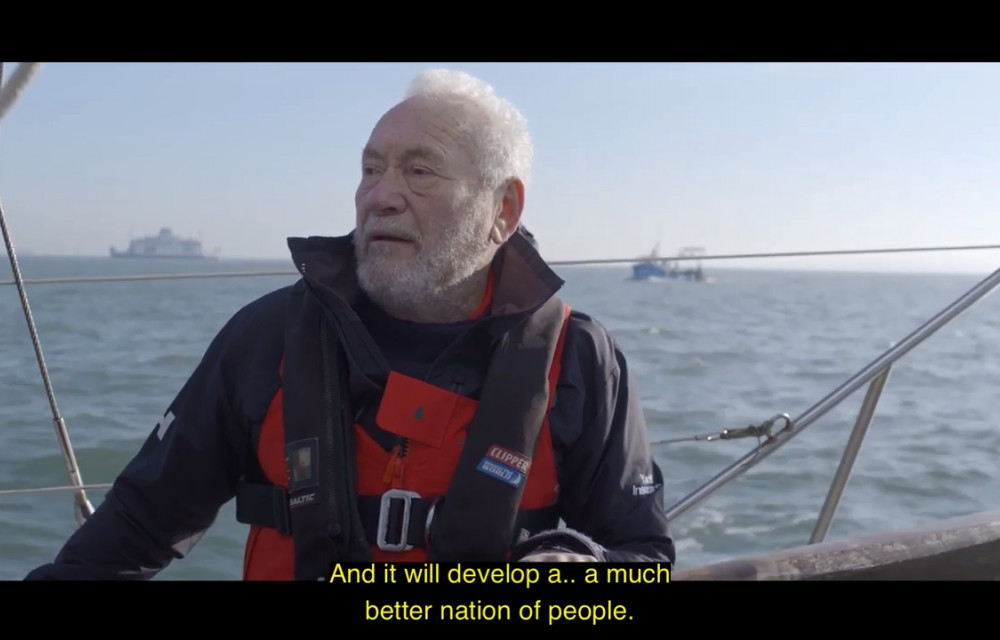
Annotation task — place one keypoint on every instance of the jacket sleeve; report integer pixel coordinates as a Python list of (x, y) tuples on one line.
[(171, 491), (611, 488)]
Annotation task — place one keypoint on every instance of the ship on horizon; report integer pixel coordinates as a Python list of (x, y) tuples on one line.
[(163, 245), (653, 267)]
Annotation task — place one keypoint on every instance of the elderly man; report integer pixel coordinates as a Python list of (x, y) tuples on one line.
[(421, 393)]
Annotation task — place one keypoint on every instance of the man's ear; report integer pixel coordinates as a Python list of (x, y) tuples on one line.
[(509, 215)]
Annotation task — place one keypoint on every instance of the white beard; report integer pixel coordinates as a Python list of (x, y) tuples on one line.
[(415, 283)]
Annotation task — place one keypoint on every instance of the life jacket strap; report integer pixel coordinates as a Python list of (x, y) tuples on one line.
[(401, 520), (264, 505), (397, 520)]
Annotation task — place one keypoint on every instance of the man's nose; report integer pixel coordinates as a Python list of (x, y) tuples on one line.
[(386, 195)]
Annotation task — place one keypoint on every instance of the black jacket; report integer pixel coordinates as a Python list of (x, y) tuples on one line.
[(611, 489)]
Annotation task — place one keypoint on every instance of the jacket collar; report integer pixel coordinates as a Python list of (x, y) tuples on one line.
[(523, 280)]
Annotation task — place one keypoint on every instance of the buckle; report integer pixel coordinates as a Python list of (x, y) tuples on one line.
[(383, 519)]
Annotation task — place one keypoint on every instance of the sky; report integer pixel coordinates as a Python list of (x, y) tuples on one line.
[(735, 158)]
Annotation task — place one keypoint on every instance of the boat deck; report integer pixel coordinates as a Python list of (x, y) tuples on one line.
[(965, 548)]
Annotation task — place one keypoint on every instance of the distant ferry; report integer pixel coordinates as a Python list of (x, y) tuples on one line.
[(164, 245)]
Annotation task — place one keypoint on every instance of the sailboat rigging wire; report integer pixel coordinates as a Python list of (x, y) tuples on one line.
[(75, 487), (292, 272), (11, 91), (83, 508), (762, 430), (780, 254), (875, 368)]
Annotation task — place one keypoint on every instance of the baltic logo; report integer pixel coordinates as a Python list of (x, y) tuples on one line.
[(505, 465), (309, 498)]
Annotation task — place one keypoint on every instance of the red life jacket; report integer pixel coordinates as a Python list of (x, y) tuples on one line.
[(420, 439)]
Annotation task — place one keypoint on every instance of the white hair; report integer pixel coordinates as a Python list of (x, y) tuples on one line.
[(504, 144)]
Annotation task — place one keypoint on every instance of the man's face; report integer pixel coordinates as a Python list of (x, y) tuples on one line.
[(423, 215)]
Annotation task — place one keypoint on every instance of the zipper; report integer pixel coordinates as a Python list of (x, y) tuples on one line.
[(394, 467), (393, 473), (335, 527)]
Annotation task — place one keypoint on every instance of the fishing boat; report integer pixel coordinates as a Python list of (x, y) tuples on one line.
[(655, 267), (163, 245), (963, 548), (650, 267), (694, 273)]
